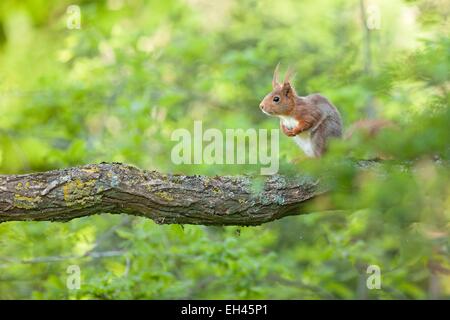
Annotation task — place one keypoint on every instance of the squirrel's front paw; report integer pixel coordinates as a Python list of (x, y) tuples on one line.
[(290, 133), (286, 131)]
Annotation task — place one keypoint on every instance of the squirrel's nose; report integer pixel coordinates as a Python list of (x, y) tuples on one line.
[(261, 107)]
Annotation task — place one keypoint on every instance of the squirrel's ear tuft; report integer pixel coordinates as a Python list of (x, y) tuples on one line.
[(289, 75), (275, 81)]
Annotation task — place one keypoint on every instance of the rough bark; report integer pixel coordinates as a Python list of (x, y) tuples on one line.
[(62, 195)]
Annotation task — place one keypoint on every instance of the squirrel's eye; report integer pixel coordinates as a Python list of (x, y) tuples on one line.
[(276, 99)]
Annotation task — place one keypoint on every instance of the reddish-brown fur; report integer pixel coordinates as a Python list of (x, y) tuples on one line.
[(313, 114)]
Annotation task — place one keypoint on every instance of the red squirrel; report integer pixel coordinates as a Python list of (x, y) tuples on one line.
[(310, 120)]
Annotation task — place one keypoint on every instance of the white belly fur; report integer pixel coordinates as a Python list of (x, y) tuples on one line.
[(303, 139)]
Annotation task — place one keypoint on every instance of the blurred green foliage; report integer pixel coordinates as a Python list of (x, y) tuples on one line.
[(115, 89)]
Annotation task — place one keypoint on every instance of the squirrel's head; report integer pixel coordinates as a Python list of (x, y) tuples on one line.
[(281, 101)]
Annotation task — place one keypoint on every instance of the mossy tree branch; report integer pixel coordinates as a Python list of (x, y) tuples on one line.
[(62, 195)]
